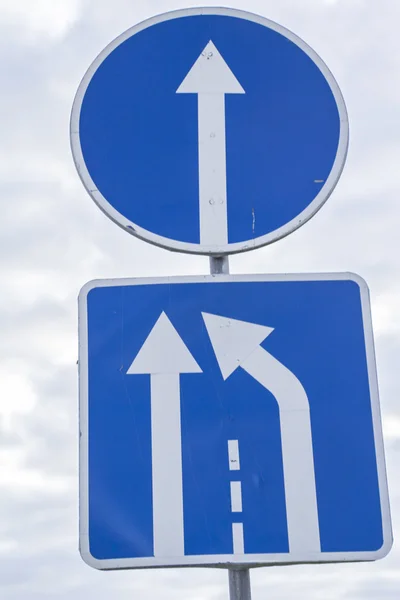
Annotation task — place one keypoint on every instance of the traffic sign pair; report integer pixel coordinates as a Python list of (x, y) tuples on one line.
[(225, 420)]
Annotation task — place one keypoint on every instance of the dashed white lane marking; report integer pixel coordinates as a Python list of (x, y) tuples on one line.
[(233, 452), (238, 540), (236, 496)]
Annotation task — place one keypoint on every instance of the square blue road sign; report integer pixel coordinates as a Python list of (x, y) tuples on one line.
[(230, 420)]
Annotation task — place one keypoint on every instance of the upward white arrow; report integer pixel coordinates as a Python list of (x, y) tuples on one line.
[(164, 357), (237, 344), (211, 79)]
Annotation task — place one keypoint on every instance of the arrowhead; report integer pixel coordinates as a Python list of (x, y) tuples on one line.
[(163, 352), (210, 75), (233, 341)]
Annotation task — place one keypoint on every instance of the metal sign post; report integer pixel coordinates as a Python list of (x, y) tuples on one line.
[(239, 584), (239, 579), (219, 265)]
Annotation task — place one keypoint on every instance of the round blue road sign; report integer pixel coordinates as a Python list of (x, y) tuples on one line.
[(209, 131)]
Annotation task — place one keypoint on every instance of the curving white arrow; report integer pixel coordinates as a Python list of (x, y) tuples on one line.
[(164, 356), (237, 344), (211, 79)]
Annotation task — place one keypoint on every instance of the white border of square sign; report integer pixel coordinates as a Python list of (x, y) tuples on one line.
[(227, 561)]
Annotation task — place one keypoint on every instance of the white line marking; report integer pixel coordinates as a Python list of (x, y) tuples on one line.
[(237, 344), (211, 79), (297, 448), (233, 452), (238, 540), (236, 496), (164, 356), (212, 166), (167, 466)]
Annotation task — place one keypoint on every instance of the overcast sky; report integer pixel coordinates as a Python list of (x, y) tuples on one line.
[(53, 239)]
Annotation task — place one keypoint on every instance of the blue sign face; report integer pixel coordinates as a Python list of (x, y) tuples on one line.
[(230, 420), (209, 131)]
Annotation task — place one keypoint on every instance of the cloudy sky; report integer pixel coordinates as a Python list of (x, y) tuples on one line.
[(53, 239)]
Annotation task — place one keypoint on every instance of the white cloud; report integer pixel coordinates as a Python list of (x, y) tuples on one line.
[(16, 393), (53, 239), (13, 474), (391, 428), (386, 313), (40, 21)]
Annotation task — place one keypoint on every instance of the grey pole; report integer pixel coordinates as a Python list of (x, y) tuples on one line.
[(239, 579), (219, 265), (239, 584)]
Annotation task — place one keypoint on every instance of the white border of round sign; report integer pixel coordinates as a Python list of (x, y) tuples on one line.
[(191, 248)]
